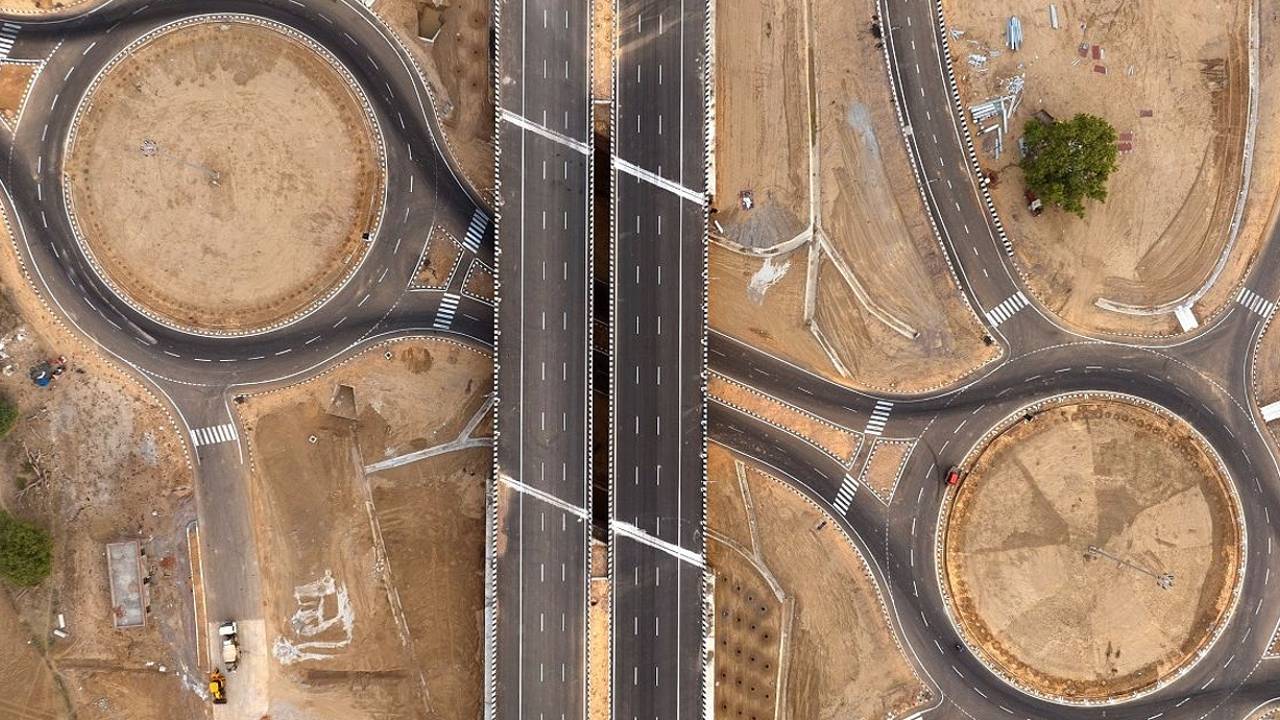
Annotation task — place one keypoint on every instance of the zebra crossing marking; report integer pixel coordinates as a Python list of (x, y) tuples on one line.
[(214, 435), (8, 36), (879, 418), (475, 231), (1255, 302), (448, 306), (844, 498), (1006, 309)]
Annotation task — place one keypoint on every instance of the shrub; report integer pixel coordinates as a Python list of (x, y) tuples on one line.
[(26, 552)]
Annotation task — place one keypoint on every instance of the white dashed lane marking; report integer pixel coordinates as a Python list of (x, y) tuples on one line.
[(475, 231), (214, 435), (879, 417), (1255, 302), (448, 306), (1006, 309)]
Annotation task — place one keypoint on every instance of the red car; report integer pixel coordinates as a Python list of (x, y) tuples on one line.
[(953, 476)]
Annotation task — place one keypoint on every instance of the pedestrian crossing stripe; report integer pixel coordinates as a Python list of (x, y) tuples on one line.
[(448, 306), (475, 231), (1255, 302), (8, 36), (214, 435), (844, 498), (879, 417), (1006, 309)]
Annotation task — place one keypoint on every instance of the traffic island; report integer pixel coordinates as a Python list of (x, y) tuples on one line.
[(225, 175), (1092, 550)]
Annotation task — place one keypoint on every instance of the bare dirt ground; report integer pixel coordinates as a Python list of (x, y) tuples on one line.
[(127, 478), (388, 537), (458, 69), (841, 443), (1187, 66), (41, 7), (252, 197), (786, 646), (479, 283), (598, 655), (1038, 603), (816, 142), (884, 467), (15, 78), (439, 261)]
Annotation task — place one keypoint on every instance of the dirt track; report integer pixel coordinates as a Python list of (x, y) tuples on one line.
[(1062, 619), (223, 176), (1165, 222)]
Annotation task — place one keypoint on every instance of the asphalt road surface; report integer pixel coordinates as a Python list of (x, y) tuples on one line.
[(657, 174), (543, 462)]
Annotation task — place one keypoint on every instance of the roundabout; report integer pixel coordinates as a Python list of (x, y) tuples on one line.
[(225, 174), (1092, 551)]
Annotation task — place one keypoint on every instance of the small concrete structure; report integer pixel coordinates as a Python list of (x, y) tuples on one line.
[(124, 566), (1271, 412)]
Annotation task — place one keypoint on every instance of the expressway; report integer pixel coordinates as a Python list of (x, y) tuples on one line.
[(656, 426), (657, 465), (541, 521)]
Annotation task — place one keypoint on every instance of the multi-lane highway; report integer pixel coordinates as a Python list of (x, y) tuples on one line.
[(656, 353), (542, 517), (657, 468)]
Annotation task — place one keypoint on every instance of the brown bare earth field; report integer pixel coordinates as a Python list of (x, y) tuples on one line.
[(1187, 64), (479, 282), (392, 542), (883, 295), (14, 80), (762, 123), (439, 261), (458, 69), (884, 466), (786, 646), (1066, 620), (840, 443), (223, 175)]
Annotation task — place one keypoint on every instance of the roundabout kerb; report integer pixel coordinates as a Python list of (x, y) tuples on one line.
[(1186, 664), (349, 81)]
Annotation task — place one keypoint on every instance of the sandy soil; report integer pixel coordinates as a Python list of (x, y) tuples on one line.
[(784, 641), (40, 7), (459, 71), (479, 283), (602, 52), (252, 202), (1188, 66), (15, 78), (827, 103), (395, 552), (1060, 618), (884, 467), (598, 655), (841, 443), (762, 122), (439, 261)]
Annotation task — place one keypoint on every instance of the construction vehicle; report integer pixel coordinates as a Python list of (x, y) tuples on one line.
[(218, 688), (230, 644)]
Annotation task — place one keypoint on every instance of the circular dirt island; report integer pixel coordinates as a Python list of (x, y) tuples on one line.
[(1092, 551), (222, 175)]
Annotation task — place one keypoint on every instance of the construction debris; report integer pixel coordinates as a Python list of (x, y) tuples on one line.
[(1053, 16), (1015, 33), (1002, 107)]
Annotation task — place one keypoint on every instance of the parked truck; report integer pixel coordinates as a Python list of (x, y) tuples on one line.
[(229, 634)]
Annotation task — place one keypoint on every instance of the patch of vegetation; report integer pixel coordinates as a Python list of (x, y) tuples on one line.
[(8, 415), (26, 551), (1069, 162)]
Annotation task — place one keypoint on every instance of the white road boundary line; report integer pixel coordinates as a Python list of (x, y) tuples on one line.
[(533, 127), (659, 181), (628, 530)]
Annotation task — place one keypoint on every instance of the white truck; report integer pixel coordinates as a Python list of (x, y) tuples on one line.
[(228, 632)]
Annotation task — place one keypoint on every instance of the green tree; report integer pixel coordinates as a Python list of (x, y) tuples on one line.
[(26, 552), (8, 415), (1067, 162)]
